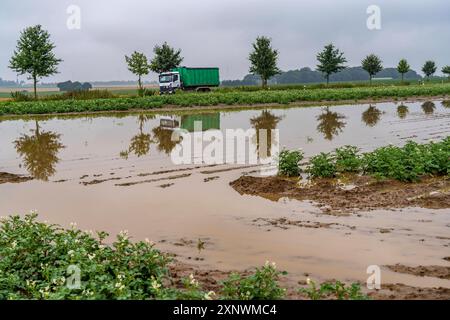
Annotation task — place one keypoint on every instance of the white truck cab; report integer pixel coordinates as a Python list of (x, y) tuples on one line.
[(169, 82)]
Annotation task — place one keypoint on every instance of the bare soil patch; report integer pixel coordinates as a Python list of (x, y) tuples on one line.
[(365, 193), (441, 272)]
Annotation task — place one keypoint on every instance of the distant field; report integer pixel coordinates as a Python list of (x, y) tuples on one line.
[(5, 93)]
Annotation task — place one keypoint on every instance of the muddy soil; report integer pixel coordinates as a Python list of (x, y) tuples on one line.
[(210, 280), (362, 193), (441, 272), (6, 177)]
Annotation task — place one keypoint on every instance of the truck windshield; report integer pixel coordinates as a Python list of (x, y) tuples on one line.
[(165, 78)]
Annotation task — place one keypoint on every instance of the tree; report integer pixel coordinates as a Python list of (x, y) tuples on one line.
[(330, 61), (138, 65), (372, 64), (429, 68), (34, 55), (166, 58), (403, 67), (263, 59), (446, 70)]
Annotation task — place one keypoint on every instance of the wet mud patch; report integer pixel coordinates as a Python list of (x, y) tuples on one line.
[(211, 179), (365, 194), (6, 177), (441, 272), (284, 223), (400, 291), (128, 184)]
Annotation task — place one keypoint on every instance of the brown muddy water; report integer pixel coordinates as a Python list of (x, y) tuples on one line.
[(114, 172)]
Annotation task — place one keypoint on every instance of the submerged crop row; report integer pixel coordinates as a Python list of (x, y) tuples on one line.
[(43, 261), (407, 163), (218, 98)]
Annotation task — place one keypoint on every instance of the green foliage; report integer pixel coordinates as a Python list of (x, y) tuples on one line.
[(348, 159), (81, 95), (288, 163), (407, 163), (337, 290), (36, 258), (322, 165), (166, 58), (20, 96), (446, 70), (138, 65), (403, 67), (262, 285), (216, 98), (429, 68), (330, 60), (34, 55), (372, 64), (263, 59), (410, 162)]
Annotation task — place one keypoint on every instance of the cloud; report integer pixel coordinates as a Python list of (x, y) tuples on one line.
[(219, 33)]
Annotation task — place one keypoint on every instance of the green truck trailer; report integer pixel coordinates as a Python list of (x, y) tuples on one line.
[(184, 78)]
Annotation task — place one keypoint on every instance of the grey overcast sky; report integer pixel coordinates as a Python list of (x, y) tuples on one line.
[(220, 32)]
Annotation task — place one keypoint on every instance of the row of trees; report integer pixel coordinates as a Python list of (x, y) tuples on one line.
[(165, 59), (331, 60), (34, 56)]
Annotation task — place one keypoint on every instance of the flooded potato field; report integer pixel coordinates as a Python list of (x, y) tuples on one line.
[(114, 172)]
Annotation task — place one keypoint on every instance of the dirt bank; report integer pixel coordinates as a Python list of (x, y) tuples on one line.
[(6, 177), (441, 272), (361, 193)]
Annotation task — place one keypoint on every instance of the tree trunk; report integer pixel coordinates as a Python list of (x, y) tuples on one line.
[(34, 85), (403, 75), (328, 79), (370, 79), (264, 83), (140, 85)]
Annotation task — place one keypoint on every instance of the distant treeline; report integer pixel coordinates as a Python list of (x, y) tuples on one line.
[(306, 75)]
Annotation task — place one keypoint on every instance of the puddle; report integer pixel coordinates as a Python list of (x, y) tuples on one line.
[(114, 172)]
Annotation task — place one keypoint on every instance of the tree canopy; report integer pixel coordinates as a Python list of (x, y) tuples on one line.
[(263, 59), (165, 59), (330, 60), (403, 67), (429, 68), (34, 55), (138, 65), (372, 64)]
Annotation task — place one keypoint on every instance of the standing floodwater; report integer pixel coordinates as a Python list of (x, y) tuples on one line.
[(114, 172)]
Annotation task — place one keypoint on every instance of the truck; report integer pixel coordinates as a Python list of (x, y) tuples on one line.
[(184, 78)]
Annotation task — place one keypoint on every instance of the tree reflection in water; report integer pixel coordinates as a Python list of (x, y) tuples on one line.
[(330, 123), (39, 152), (446, 103), (428, 107), (163, 138), (140, 143), (402, 111), (269, 122), (371, 116)]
